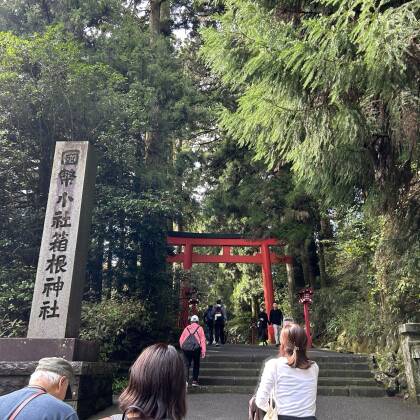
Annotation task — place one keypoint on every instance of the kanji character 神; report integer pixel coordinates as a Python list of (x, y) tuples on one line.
[(53, 286)]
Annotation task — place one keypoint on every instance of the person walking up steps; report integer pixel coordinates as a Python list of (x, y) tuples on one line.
[(193, 344), (208, 320), (263, 326), (291, 378), (219, 317), (276, 320)]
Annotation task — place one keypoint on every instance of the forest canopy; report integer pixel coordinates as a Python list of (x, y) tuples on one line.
[(296, 120)]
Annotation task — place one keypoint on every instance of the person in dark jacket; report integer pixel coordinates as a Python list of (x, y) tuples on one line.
[(219, 318), (263, 326), (276, 320), (209, 323)]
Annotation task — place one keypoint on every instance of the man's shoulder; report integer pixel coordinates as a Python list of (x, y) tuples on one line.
[(40, 404), (7, 401), (53, 404), (13, 394)]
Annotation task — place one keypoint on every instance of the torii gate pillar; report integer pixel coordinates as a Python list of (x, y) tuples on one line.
[(267, 284)]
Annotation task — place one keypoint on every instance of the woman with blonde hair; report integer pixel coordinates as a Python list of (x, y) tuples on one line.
[(291, 379)]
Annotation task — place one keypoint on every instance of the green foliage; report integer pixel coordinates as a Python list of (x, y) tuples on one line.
[(316, 144), (353, 313), (16, 286), (351, 318), (239, 329), (329, 87), (89, 71), (365, 308), (119, 384), (122, 327)]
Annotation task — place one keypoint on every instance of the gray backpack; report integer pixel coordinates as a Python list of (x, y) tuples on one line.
[(190, 343)]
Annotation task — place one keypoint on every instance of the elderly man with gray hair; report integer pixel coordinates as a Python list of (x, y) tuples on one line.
[(43, 398)]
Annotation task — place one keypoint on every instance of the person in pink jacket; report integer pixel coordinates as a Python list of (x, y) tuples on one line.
[(193, 345)]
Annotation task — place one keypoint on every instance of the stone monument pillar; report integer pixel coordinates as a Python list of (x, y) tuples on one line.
[(56, 304), (410, 345), (57, 298)]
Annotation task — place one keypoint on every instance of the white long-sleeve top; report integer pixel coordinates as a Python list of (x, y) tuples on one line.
[(295, 389)]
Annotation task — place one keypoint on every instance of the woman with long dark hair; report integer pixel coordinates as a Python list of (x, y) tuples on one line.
[(156, 387), (291, 379)]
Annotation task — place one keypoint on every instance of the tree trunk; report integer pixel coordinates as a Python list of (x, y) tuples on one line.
[(290, 282), (154, 144), (254, 306), (155, 18), (45, 163), (305, 264), (291, 287), (308, 274), (97, 271), (322, 272), (120, 278), (324, 233), (107, 278), (165, 18)]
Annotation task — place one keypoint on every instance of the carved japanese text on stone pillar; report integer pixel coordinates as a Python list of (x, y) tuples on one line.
[(56, 303)]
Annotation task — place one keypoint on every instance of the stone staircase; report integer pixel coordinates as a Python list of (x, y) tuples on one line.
[(236, 369)]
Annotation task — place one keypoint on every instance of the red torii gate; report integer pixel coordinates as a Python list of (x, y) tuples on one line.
[(227, 241)]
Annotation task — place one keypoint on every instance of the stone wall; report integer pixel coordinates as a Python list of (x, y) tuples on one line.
[(410, 344)]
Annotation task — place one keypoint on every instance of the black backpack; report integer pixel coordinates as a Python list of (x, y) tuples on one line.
[(218, 316), (190, 343)]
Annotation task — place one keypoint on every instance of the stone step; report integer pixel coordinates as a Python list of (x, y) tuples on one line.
[(352, 391), (254, 372), (339, 373), (332, 381), (253, 381), (222, 357), (346, 391), (258, 365)]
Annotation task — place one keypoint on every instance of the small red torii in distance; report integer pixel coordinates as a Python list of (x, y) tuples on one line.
[(227, 241)]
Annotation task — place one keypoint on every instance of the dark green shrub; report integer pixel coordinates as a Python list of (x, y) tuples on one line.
[(123, 327), (16, 289), (239, 329)]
